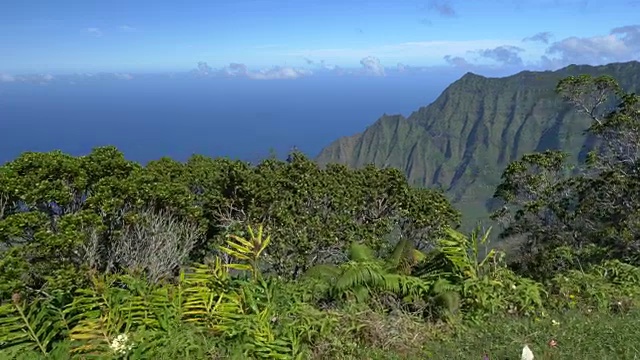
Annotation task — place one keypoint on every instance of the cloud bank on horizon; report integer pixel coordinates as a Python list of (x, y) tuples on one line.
[(376, 38)]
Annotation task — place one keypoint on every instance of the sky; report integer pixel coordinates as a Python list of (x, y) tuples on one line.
[(237, 77), (275, 39)]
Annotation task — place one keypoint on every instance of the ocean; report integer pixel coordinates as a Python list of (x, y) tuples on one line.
[(153, 116)]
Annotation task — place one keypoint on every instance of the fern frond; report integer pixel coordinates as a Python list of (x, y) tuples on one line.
[(203, 302), (32, 325), (357, 274), (165, 307), (456, 247), (89, 313), (435, 265), (404, 257), (323, 271), (247, 250), (360, 252)]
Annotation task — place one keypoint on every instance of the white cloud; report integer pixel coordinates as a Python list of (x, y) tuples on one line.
[(241, 70), (127, 28), (7, 78), (31, 78), (508, 55), (630, 35), (235, 69), (94, 31), (406, 51), (278, 73), (203, 68), (372, 66), (120, 76), (541, 36), (621, 44), (535, 52), (456, 61), (325, 66)]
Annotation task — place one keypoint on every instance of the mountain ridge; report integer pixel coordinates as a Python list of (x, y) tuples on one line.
[(462, 141)]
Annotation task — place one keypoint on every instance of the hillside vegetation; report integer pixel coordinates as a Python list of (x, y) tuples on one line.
[(218, 259), (465, 138)]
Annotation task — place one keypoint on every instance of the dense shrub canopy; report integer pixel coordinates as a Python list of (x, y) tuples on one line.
[(60, 213)]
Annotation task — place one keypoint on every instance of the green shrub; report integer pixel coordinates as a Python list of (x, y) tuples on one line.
[(611, 286)]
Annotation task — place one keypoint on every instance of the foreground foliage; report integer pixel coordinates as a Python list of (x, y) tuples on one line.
[(104, 258)]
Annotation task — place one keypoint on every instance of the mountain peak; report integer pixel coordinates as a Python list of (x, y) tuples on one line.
[(471, 75), (465, 138)]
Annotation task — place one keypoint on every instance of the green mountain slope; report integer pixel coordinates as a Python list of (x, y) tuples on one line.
[(464, 139)]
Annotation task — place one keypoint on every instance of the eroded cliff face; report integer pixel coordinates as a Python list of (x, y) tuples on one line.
[(464, 139)]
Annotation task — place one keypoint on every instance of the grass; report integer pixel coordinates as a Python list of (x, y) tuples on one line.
[(602, 336), (599, 336)]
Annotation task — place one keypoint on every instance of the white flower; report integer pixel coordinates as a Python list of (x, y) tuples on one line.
[(527, 354), (555, 323), (120, 344)]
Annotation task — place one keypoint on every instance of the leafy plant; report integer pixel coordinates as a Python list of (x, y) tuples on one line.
[(364, 275), (247, 250), (35, 324)]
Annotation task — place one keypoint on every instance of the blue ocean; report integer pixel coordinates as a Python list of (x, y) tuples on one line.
[(150, 117)]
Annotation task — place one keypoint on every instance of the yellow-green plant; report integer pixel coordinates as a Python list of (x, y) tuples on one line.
[(247, 250), (464, 252), (256, 313), (109, 316), (113, 307), (257, 325), (30, 325), (119, 305), (205, 298)]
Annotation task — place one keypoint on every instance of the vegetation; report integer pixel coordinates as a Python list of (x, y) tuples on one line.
[(213, 258), (474, 129)]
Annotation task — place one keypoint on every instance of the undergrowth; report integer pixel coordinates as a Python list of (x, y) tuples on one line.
[(364, 309)]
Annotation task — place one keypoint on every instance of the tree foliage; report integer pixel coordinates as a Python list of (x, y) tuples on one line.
[(550, 206), (61, 213)]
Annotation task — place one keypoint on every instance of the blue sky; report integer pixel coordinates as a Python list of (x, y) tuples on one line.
[(64, 36)]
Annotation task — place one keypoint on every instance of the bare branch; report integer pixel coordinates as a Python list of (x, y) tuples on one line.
[(4, 205), (91, 250), (229, 216), (157, 243)]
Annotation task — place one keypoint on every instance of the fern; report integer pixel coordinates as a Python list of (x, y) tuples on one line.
[(464, 253), (360, 253), (361, 279), (247, 250), (404, 257), (435, 266), (96, 318), (164, 302), (203, 303), (256, 325), (113, 306), (30, 325)]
